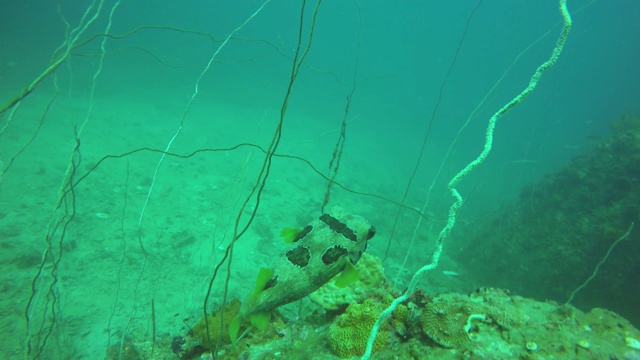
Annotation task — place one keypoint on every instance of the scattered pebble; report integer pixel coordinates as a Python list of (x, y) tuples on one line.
[(584, 344), (531, 346)]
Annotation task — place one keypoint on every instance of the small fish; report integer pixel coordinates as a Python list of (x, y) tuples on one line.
[(330, 245), (449, 273)]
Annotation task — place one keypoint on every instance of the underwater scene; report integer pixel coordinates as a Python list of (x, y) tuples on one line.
[(280, 179)]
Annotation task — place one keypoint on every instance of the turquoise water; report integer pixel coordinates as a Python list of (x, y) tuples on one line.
[(121, 180)]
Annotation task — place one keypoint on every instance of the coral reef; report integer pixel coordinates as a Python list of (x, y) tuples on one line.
[(445, 322), (331, 297), (548, 242), (515, 327), (488, 323), (348, 335), (451, 320)]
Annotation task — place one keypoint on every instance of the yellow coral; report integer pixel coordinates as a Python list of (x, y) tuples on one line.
[(348, 336), (200, 330)]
